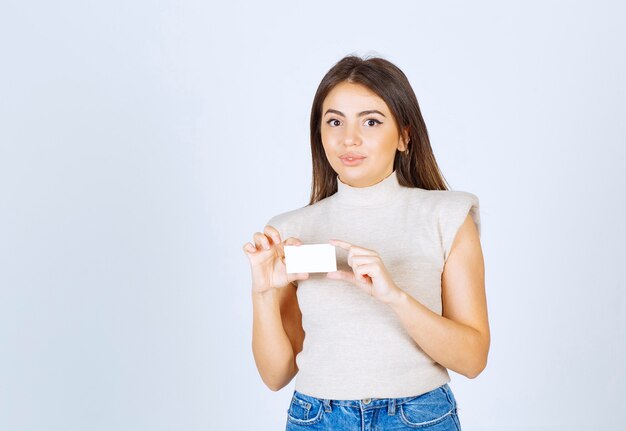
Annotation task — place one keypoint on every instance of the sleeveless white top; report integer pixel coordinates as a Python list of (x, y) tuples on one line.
[(355, 346)]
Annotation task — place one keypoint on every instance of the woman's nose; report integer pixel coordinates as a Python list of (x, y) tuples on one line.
[(352, 136)]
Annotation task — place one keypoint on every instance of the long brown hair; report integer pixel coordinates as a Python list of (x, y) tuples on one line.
[(419, 168)]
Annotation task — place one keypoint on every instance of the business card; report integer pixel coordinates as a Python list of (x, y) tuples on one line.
[(310, 258)]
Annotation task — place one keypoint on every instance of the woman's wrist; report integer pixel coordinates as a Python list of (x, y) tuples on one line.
[(266, 293), (397, 296)]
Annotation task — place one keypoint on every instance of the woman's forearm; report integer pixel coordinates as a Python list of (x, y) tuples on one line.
[(272, 350), (455, 346)]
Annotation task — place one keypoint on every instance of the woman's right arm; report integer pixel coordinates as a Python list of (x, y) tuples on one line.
[(277, 335)]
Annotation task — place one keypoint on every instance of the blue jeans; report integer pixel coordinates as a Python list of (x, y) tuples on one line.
[(432, 411)]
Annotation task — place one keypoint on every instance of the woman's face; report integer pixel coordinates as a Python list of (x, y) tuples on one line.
[(356, 122)]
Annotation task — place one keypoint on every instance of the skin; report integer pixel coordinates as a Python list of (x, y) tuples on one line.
[(373, 135)]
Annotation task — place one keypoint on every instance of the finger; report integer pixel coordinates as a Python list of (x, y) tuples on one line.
[(343, 244), (289, 241), (352, 249), (359, 275), (292, 241), (260, 240), (272, 233), (298, 276), (249, 248), (362, 259), (346, 246), (359, 259), (365, 272), (341, 275)]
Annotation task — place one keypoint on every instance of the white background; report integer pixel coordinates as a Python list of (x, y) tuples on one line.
[(143, 143)]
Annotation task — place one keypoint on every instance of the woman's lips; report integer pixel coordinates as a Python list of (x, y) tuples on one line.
[(352, 161)]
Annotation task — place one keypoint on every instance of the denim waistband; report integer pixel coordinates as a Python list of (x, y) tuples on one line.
[(365, 403)]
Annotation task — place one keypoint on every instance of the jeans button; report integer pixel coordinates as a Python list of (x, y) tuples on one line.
[(367, 400)]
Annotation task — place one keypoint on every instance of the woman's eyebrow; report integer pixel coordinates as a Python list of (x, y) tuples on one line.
[(360, 114)]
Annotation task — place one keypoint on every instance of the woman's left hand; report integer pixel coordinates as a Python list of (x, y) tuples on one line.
[(369, 272)]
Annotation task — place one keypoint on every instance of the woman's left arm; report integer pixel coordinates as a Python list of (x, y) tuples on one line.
[(459, 339)]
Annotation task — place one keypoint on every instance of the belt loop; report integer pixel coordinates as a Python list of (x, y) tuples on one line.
[(327, 407), (391, 408)]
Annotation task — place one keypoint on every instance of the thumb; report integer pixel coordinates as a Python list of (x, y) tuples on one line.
[(340, 275), (300, 276)]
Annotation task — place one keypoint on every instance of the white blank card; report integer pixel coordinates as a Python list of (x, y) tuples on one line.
[(310, 258)]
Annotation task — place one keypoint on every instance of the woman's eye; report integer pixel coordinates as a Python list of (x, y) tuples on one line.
[(332, 123)]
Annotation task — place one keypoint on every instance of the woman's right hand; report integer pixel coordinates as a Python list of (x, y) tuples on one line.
[(267, 261)]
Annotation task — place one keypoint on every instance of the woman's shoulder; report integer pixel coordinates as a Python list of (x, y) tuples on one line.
[(444, 197), (292, 220), (285, 217), (453, 206)]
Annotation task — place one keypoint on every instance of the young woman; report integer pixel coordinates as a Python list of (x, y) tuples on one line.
[(371, 343)]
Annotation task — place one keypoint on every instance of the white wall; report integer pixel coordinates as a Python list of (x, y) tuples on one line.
[(143, 143)]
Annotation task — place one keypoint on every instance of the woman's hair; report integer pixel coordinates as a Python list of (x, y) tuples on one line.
[(419, 168)]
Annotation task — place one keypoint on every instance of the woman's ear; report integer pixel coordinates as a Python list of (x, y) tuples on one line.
[(404, 140)]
